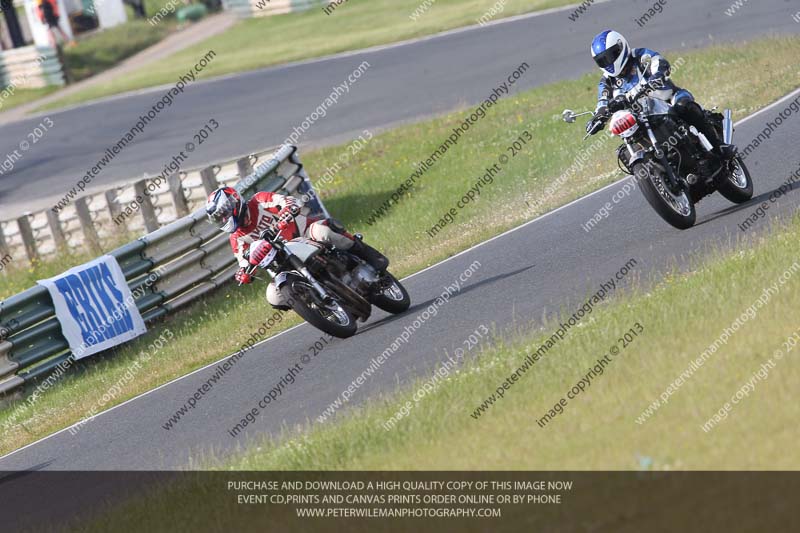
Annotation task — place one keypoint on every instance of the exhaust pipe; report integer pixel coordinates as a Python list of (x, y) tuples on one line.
[(727, 127)]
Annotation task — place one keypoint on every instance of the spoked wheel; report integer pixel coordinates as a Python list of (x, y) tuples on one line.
[(738, 187), (392, 296), (329, 317), (676, 207)]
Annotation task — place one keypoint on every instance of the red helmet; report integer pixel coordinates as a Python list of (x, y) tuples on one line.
[(225, 209)]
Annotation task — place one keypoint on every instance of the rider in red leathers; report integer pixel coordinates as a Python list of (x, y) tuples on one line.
[(245, 221)]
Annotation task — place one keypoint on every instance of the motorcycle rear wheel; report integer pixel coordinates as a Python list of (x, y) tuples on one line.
[(676, 209), (337, 322), (394, 299)]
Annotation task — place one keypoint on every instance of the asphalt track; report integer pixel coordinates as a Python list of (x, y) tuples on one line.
[(403, 83)]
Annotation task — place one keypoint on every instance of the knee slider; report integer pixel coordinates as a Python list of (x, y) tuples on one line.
[(275, 298)]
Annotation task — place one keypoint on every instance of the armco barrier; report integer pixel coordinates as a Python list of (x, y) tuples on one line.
[(165, 270)]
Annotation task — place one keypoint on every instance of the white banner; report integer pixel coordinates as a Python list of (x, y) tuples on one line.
[(95, 307)]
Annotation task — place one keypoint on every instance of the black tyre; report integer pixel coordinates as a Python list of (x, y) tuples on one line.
[(393, 299), (677, 209), (337, 322), (738, 186)]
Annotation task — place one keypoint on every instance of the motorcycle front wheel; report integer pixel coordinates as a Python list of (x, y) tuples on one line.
[(332, 319), (677, 209)]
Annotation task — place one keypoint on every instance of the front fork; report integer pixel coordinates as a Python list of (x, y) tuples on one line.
[(675, 181), (301, 268)]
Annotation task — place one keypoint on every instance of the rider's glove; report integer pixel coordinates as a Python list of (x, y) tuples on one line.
[(243, 277), (595, 125), (258, 251)]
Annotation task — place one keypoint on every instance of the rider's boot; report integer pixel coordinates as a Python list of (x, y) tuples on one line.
[(723, 152), (727, 151), (692, 113), (373, 257)]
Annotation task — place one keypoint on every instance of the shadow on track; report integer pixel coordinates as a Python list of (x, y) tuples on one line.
[(418, 307), (752, 203), (22, 473)]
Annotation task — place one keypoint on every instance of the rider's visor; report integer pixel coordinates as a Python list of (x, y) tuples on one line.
[(223, 216), (606, 59), (219, 217)]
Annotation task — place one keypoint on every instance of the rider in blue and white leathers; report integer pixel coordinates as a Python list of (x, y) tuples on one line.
[(623, 67)]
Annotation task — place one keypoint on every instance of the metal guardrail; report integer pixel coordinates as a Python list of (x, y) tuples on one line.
[(165, 270)]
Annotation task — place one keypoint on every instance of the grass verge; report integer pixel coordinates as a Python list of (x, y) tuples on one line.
[(105, 49), (217, 325), (260, 42), (13, 97)]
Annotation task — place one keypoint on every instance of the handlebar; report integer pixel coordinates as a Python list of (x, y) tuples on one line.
[(626, 100), (249, 271), (569, 116), (272, 235)]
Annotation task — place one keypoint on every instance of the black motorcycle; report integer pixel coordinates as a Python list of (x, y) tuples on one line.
[(330, 288), (672, 161)]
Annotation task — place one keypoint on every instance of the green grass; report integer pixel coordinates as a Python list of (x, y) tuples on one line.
[(23, 96), (388, 159), (261, 42), (103, 50), (153, 6)]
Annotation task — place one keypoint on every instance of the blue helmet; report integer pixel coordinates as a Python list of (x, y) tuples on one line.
[(611, 52)]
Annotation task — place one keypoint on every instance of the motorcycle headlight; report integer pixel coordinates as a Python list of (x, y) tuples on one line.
[(624, 124)]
